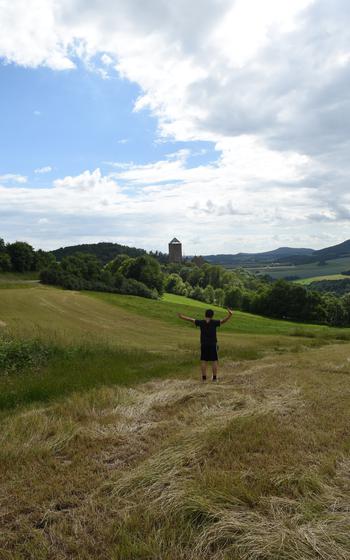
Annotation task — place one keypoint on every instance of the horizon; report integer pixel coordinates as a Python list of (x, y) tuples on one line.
[(199, 254), (224, 120)]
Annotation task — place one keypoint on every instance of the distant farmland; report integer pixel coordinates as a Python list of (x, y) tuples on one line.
[(336, 266)]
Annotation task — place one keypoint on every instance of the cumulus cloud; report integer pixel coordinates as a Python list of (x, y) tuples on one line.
[(215, 207), (267, 83), (13, 178)]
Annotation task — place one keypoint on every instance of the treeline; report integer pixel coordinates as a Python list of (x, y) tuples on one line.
[(141, 276), (21, 257), (147, 275), (242, 290), (104, 251), (337, 287)]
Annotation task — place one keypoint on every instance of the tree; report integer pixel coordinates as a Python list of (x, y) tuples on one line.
[(116, 263), (233, 297), (195, 276), (197, 293), (219, 297), (5, 262), (83, 266), (22, 256), (43, 259), (174, 284), (147, 270), (208, 294), (198, 261)]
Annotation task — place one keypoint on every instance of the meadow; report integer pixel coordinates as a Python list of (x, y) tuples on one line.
[(330, 268), (307, 281), (111, 447)]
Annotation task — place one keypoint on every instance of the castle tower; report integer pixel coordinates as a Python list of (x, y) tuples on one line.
[(175, 251)]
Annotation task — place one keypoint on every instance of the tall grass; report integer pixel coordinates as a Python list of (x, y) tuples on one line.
[(33, 371)]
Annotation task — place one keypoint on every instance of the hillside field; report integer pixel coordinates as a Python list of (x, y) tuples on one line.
[(111, 447), (307, 281), (334, 266)]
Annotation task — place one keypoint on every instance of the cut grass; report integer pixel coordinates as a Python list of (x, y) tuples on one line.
[(255, 467), (111, 450)]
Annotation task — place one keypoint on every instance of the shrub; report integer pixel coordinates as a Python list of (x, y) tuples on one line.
[(18, 355)]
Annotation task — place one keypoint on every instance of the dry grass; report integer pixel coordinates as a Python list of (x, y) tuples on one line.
[(255, 467)]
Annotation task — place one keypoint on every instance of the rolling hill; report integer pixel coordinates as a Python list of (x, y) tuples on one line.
[(254, 258), (110, 443), (104, 251)]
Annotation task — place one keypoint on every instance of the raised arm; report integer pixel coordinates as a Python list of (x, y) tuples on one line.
[(228, 316), (185, 318)]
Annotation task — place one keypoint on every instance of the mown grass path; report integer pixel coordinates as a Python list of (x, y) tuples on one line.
[(256, 466)]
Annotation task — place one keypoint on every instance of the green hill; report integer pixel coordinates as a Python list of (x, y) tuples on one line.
[(104, 251), (111, 448)]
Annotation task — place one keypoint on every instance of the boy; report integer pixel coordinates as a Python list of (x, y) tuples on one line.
[(209, 349)]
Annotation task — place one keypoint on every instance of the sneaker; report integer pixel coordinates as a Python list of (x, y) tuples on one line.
[(214, 378), (204, 377)]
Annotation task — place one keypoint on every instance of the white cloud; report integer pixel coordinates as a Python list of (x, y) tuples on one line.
[(266, 82), (13, 178), (45, 169), (221, 207), (106, 60)]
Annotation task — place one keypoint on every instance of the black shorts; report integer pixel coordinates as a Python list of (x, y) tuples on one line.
[(209, 353)]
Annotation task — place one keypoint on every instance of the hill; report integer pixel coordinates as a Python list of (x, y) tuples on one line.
[(335, 252), (104, 251), (253, 258), (109, 441), (284, 256)]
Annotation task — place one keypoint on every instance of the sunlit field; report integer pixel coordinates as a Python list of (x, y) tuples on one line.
[(306, 281), (331, 267), (111, 447)]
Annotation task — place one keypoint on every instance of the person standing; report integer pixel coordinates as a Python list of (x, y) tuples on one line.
[(209, 347)]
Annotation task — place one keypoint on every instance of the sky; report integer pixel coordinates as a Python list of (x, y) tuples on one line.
[(224, 123)]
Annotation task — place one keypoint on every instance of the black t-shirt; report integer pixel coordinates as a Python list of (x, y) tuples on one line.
[(208, 331)]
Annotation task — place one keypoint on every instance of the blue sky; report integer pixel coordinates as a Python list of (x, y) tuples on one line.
[(74, 120), (221, 122)]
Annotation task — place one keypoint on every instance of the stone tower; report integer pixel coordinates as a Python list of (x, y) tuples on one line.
[(175, 251)]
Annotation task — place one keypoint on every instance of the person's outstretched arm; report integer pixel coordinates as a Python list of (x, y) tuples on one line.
[(185, 318), (228, 316)]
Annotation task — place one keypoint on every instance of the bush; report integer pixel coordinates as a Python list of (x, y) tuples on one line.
[(16, 355), (175, 285), (135, 288), (147, 270)]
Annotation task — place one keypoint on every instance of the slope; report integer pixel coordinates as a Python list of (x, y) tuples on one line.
[(255, 467)]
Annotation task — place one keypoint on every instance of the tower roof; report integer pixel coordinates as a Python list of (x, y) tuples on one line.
[(175, 241)]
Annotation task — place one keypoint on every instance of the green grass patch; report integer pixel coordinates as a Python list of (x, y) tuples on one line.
[(18, 276), (31, 371), (167, 308), (307, 281), (311, 270)]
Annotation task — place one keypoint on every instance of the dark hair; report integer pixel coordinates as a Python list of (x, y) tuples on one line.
[(209, 313)]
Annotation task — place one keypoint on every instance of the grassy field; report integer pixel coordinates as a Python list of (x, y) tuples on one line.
[(18, 277), (336, 266), (307, 281), (111, 448)]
